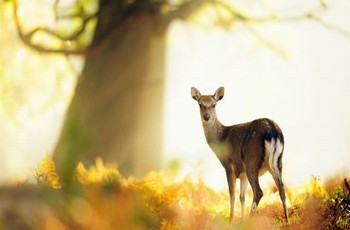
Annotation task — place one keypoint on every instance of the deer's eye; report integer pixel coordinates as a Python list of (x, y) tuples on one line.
[(200, 105), (214, 105)]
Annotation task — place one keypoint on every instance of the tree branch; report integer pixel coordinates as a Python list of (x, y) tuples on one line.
[(308, 15), (185, 10), (114, 12), (242, 16), (329, 26), (265, 41), (27, 37)]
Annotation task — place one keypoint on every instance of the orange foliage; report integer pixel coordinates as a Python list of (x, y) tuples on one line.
[(46, 174), (104, 199)]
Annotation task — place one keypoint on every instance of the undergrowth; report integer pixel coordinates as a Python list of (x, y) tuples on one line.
[(104, 199)]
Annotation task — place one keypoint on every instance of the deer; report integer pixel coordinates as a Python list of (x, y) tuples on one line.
[(246, 151)]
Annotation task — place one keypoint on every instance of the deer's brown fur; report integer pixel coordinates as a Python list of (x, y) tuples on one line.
[(246, 150)]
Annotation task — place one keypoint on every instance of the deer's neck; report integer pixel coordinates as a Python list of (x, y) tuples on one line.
[(213, 130)]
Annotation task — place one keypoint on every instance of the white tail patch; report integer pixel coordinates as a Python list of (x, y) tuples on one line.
[(274, 150)]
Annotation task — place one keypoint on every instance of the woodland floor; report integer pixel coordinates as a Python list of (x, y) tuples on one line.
[(101, 198)]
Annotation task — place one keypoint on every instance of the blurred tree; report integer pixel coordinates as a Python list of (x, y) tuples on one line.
[(117, 109)]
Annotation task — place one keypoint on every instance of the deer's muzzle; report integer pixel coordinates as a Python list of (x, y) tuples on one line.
[(206, 117)]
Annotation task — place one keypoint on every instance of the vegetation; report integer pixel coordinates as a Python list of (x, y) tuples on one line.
[(103, 199)]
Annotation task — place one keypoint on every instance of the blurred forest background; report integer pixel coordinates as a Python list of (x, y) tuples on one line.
[(81, 79), (99, 131)]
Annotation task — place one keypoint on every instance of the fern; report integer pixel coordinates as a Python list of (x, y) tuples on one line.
[(45, 174)]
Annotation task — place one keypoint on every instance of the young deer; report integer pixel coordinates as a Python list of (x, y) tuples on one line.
[(246, 151)]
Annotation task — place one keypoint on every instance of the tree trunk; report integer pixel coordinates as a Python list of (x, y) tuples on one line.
[(117, 110)]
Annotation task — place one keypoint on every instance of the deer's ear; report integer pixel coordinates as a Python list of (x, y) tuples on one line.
[(219, 94), (195, 93)]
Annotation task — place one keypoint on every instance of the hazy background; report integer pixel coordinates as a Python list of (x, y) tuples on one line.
[(303, 86), (307, 92)]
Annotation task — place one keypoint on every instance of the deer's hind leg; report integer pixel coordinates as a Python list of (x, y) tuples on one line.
[(277, 176), (254, 157), (253, 179)]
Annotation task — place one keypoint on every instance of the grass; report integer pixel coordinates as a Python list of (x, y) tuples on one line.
[(103, 199)]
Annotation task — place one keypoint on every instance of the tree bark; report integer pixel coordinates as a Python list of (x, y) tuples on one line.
[(117, 110)]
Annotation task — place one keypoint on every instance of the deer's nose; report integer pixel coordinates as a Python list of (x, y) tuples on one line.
[(206, 117)]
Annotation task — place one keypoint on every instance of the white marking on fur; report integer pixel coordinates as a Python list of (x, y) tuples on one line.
[(270, 149), (274, 150), (277, 154)]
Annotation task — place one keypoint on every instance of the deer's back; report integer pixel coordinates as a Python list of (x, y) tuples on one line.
[(246, 144)]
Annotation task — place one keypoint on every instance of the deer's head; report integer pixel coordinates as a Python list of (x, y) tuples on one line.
[(207, 103)]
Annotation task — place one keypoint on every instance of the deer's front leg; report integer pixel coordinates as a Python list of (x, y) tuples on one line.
[(231, 181)]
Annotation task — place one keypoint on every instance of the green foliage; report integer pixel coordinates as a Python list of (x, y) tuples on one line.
[(338, 215)]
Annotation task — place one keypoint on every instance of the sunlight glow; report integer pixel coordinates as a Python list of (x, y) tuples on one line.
[(21, 55), (307, 94)]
